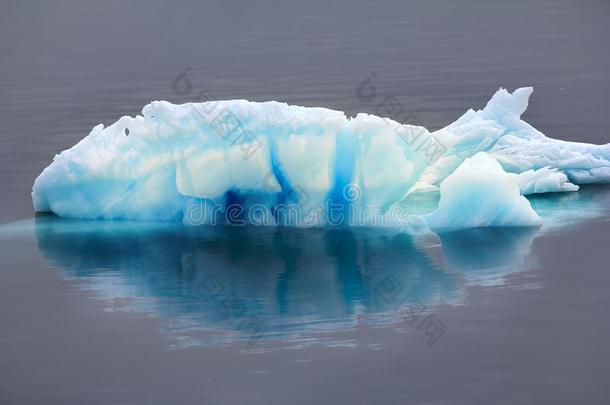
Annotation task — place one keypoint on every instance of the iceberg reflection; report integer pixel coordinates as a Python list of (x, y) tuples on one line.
[(486, 256), (218, 285)]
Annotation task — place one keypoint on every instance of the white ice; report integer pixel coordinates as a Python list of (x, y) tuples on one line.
[(220, 154), (480, 185)]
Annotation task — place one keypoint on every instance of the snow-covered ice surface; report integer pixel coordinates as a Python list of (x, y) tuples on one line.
[(270, 163)]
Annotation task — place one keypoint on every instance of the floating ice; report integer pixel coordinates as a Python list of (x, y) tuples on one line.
[(519, 147), (544, 180), (244, 161), (479, 193)]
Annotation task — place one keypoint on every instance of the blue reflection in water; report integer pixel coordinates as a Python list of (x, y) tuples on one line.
[(221, 285), (217, 285)]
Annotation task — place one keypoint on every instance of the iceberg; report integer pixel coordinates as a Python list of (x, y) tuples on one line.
[(238, 161)]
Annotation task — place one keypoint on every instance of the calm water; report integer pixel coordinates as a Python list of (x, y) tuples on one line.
[(117, 313)]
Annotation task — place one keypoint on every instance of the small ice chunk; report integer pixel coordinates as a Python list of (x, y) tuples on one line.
[(545, 180), (480, 193)]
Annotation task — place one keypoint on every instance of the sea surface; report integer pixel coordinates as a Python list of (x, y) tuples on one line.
[(103, 312)]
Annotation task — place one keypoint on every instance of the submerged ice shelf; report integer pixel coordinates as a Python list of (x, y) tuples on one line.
[(272, 163)]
